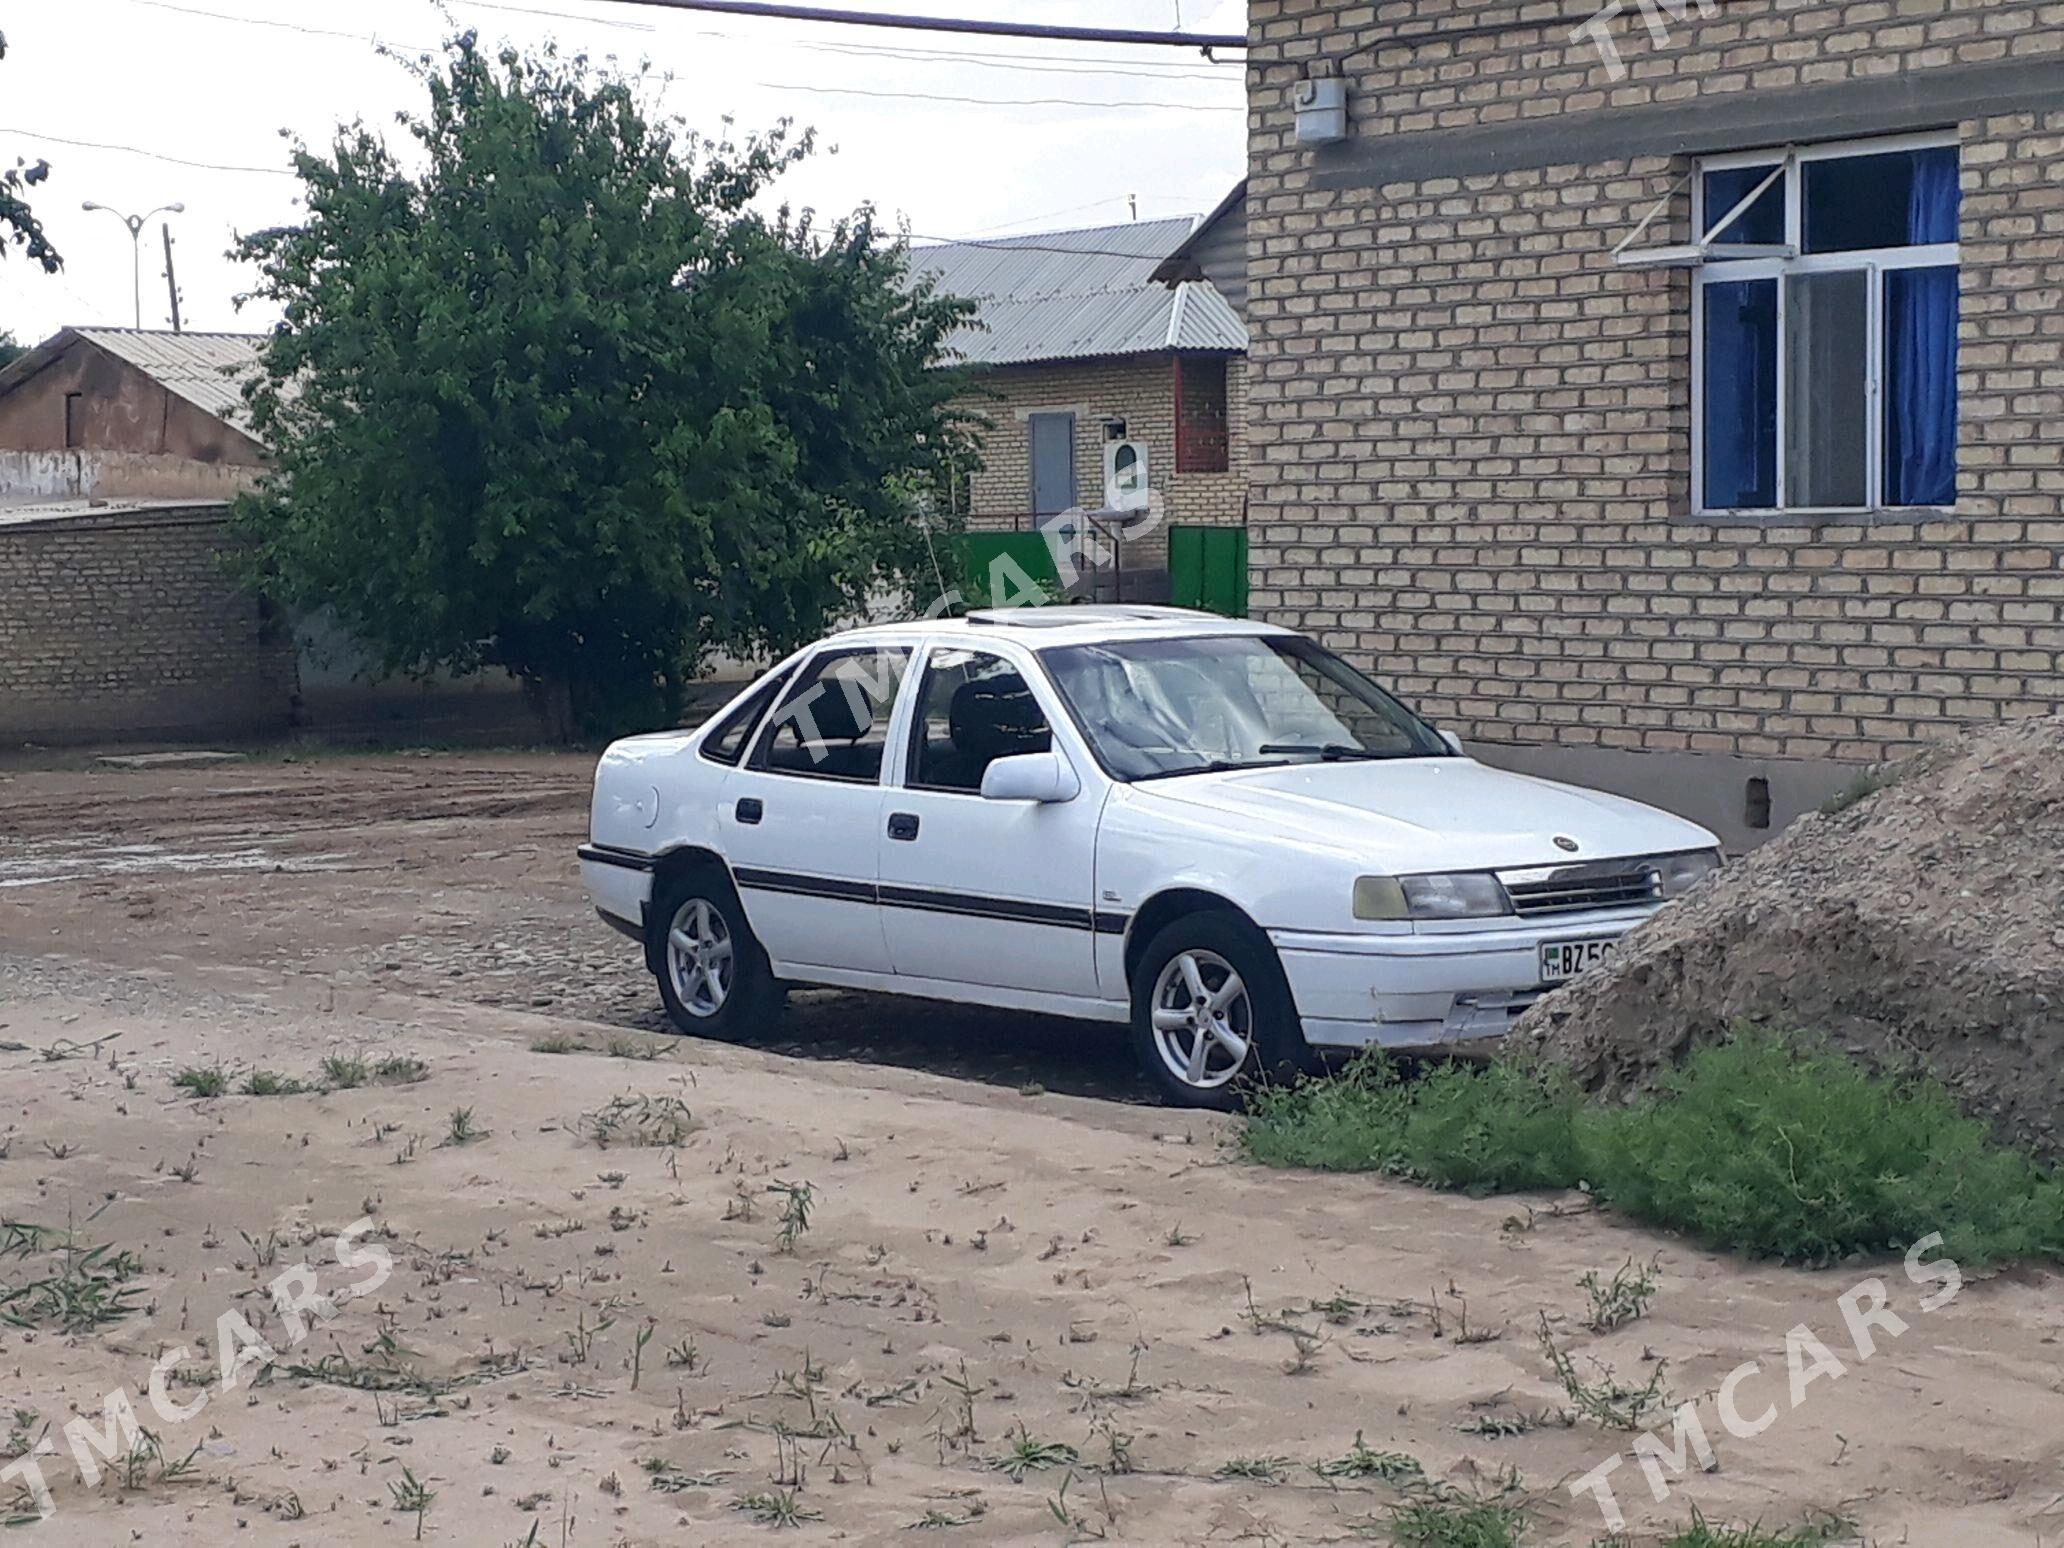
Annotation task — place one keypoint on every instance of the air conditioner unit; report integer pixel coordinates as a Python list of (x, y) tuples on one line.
[(1127, 476)]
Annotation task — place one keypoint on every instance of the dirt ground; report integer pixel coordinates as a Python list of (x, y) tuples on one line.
[(1027, 1306)]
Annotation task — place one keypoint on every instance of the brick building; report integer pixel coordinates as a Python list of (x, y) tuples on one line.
[(1670, 401), (120, 450), (1076, 345)]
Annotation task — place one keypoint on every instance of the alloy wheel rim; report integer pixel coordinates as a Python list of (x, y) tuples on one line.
[(700, 957), (1203, 1019)]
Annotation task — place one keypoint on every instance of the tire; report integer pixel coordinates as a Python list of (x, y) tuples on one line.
[(720, 986), (1260, 1023)]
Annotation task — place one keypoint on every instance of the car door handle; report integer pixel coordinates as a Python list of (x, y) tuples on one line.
[(903, 825), (751, 810)]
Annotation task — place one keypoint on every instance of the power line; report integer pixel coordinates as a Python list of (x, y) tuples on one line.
[(1068, 102), (994, 29), (1035, 64), (137, 150)]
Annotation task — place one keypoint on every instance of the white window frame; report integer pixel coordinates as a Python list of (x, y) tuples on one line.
[(1721, 268)]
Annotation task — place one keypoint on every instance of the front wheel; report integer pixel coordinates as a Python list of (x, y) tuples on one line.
[(1212, 1013), (712, 973)]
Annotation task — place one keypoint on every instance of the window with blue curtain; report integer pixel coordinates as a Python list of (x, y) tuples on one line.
[(1741, 396), (1853, 232)]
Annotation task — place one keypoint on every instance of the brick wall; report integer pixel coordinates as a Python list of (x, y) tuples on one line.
[(1471, 431), (1139, 390), (123, 624)]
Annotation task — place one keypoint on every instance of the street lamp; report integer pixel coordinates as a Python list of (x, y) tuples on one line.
[(135, 225)]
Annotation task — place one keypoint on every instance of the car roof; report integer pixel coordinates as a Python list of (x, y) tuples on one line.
[(1083, 624)]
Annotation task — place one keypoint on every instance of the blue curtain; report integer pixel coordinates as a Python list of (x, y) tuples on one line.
[(1921, 347), (1920, 386), (1741, 395), (1933, 197)]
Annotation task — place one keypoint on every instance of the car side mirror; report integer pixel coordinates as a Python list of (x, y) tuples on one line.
[(1042, 776), (1453, 743)]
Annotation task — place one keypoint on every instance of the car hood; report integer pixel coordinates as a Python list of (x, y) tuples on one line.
[(1413, 814)]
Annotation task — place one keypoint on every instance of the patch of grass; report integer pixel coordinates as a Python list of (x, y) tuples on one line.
[(1770, 1145), (557, 1043), (776, 1508), (345, 1072), (1457, 1524), (1484, 1130), (1391, 1467), (656, 1121), (1027, 1455), (74, 1289), (202, 1080), (265, 1083), (1623, 1298), (1702, 1534), (1268, 1470)]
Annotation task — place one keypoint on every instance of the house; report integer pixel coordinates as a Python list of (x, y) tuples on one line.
[(120, 450), (1667, 397), (1076, 347), (126, 413)]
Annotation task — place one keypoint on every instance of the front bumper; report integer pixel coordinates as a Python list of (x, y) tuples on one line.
[(1426, 991), (619, 883)]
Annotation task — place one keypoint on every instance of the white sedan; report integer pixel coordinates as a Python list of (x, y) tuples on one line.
[(1212, 830)]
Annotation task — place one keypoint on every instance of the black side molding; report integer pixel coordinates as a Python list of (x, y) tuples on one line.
[(607, 854)]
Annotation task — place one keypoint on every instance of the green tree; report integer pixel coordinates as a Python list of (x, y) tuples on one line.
[(18, 224), (553, 395), (10, 349)]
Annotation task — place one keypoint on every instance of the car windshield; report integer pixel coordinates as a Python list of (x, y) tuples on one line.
[(1153, 708)]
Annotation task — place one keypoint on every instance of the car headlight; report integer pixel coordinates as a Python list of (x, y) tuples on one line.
[(1461, 895), (1678, 874)]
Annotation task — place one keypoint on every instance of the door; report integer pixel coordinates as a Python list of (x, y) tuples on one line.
[(998, 893), (801, 819), (1053, 462)]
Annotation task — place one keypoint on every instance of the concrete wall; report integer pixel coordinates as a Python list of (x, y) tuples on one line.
[(1471, 430), (123, 626), (28, 476)]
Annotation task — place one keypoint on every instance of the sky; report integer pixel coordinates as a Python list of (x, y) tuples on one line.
[(1062, 136)]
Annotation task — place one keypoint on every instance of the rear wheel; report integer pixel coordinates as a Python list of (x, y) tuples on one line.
[(1212, 1013), (712, 973)]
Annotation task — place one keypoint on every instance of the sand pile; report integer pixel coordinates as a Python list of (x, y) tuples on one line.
[(1925, 921)]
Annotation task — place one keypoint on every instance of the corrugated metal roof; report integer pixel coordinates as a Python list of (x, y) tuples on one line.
[(1076, 295), (207, 369)]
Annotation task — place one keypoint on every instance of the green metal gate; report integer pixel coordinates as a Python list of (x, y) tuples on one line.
[(1207, 568), (998, 568)]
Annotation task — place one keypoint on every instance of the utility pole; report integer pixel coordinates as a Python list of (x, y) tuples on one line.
[(171, 283), (135, 225)]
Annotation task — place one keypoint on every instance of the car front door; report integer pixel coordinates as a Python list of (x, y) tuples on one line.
[(801, 818), (995, 893)]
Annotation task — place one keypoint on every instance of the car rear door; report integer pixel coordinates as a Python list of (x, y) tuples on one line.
[(992, 893), (801, 818)]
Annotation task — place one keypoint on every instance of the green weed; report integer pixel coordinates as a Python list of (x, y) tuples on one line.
[(1770, 1145)]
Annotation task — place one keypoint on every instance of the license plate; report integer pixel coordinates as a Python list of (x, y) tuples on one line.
[(1566, 959)]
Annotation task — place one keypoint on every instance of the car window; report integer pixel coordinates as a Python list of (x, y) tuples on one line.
[(1152, 708), (834, 724), (727, 738), (974, 709)]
